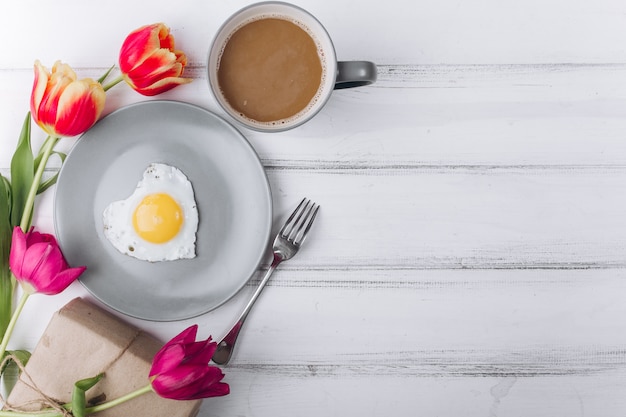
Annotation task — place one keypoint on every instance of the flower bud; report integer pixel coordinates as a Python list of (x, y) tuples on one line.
[(38, 264), (63, 105), (181, 370), (148, 61)]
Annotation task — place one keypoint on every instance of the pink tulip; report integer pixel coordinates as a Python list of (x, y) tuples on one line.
[(61, 104), (148, 61), (38, 264), (181, 370)]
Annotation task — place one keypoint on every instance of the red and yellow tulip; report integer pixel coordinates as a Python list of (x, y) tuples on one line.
[(149, 62), (63, 105)]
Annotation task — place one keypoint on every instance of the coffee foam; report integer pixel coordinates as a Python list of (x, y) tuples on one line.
[(320, 52)]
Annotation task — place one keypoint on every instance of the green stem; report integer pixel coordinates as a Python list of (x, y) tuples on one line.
[(120, 400), (11, 326), (88, 410), (30, 200), (113, 83), (43, 147)]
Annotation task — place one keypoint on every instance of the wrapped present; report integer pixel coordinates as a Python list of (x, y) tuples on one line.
[(82, 341)]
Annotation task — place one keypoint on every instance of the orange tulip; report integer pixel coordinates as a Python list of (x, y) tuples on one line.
[(148, 61), (63, 105)]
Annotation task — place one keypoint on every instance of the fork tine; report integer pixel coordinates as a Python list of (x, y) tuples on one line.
[(296, 224), (306, 224), (288, 224)]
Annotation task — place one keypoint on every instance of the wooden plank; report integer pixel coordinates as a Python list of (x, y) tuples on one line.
[(443, 115), (453, 218), (265, 394), (508, 218), (527, 323), (486, 31)]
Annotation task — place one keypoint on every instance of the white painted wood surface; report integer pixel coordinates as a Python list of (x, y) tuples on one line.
[(470, 256)]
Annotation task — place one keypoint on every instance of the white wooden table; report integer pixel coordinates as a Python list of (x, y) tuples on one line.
[(470, 256)]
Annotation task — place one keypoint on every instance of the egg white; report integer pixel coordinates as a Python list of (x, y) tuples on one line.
[(118, 217)]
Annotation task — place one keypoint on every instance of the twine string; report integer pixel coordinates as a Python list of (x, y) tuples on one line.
[(43, 399)]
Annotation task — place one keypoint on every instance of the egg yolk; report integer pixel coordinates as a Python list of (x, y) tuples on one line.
[(157, 218)]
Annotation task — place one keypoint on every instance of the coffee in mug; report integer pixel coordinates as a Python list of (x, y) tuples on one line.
[(272, 66)]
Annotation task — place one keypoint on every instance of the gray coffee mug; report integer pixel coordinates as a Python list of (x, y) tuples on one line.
[(335, 74)]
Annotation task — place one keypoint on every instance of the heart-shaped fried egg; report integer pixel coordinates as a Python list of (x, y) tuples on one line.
[(159, 221)]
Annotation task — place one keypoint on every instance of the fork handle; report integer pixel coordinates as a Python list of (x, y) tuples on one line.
[(225, 347)]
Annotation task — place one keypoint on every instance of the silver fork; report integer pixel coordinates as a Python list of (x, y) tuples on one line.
[(286, 245)]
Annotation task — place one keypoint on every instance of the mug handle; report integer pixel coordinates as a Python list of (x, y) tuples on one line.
[(355, 74)]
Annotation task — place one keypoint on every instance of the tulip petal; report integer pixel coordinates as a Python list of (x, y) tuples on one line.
[(166, 40), (32, 260), (61, 281), (60, 78), (200, 352), (163, 86), (33, 237), (189, 382), (80, 106), (39, 266), (18, 249), (212, 386), (166, 359), (139, 44), (186, 336), (161, 63), (174, 351), (39, 87)]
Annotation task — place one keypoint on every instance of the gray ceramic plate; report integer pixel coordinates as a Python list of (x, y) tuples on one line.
[(231, 190)]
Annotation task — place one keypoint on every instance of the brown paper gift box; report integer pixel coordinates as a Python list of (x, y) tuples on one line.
[(82, 341)]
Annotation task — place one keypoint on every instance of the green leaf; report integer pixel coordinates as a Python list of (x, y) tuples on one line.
[(6, 231), (79, 402), (7, 185), (7, 286), (6, 228), (88, 383), (21, 355), (52, 180), (5, 201), (7, 194), (106, 74), (22, 172)]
